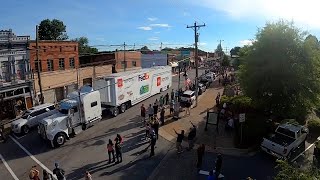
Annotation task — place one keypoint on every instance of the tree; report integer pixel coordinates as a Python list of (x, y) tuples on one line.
[(52, 30), (280, 71), (145, 48), (225, 61), (84, 47), (287, 171), (235, 51)]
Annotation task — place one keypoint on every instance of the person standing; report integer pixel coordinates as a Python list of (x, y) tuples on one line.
[(87, 176), (110, 148), (162, 112), (176, 95), (46, 175), (161, 101), (143, 114), (188, 106), (167, 98), (155, 127), (118, 149), (150, 111), (172, 94), (218, 165), (200, 154), (171, 107), (155, 107), (148, 128), (179, 141), (59, 172), (153, 143), (191, 136), (34, 173)]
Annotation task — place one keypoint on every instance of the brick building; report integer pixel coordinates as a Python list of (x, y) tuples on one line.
[(131, 61)]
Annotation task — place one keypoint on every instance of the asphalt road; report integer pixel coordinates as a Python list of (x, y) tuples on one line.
[(87, 151)]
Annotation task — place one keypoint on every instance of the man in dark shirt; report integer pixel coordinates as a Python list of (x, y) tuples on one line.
[(59, 172), (153, 143), (191, 136), (179, 140), (143, 114)]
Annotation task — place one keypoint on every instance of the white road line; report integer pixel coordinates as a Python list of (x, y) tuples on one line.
[(31, 156), (207, 173), (18, 137), (303, 152), (8, 167)]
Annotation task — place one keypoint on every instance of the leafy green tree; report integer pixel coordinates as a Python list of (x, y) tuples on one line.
[(280, 71), (52, 30), (225, 61), (287, 171), (235, 51), (145, 48), (84, 47)]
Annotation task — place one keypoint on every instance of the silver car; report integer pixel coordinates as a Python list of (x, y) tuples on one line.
[(31, 118)]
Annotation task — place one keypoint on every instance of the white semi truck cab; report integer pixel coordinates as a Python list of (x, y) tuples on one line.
[(74, 114)]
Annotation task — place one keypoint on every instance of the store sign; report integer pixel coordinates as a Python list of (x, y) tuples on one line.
[(158, 81)]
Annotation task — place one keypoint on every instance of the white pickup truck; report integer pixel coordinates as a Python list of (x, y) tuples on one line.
[(285, 140)]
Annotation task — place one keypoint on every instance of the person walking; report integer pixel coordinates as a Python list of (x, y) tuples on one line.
[(59, 172), (46, 175), (118, 149), (87, 176), (200, 154), (218, 165), (172, 94), (143, 114), (161, 101), (155, 127), (34, 173), (110, 148), (179, 141), (218, 100), (153, 143), (192, 135), (150, 112), (167, 98), (148, 128), (155, 107), (162, 112), (188, 107)]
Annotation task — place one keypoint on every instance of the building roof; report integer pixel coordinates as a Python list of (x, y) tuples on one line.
[(53, 41), (126, 73)]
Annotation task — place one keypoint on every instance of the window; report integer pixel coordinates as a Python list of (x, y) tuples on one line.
[(75, 48), (134, 64), (36, 63), (71, 63), (61, 63), (93, 104), (50, 65), (123, 64), (60, 49)]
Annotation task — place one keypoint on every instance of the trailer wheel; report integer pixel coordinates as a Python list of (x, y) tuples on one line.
[(59, 139), (115, 111), (123, 108)]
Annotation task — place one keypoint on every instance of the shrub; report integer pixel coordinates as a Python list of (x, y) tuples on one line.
[(314, 127), (238, 104)]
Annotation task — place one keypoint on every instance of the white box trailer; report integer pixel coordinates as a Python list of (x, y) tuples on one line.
[(122, 90)]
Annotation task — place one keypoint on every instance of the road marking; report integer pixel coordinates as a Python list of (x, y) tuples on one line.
[(8, 167), (303, 152), (31, 156), (202, 172), (18, 137)]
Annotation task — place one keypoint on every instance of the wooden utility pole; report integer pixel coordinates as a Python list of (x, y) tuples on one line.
[(39, 64), (124, 57), (195, 28)]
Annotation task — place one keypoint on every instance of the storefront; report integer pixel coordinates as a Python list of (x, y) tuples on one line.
[(15, 98)]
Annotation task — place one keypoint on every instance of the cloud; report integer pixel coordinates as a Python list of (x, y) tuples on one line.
[(152, 19), (101, 39), (246, 42), (160, 25), (157, 32), (186, 14), (145, 28), (301, 12), (203, 44), (153, 39)]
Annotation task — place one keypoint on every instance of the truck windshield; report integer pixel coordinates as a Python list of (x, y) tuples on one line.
[(63, 111), (286, 132)]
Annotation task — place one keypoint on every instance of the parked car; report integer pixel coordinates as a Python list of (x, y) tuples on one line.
[(31, 118), (286, 139), (202, 88), (188, 95), (205, 82)]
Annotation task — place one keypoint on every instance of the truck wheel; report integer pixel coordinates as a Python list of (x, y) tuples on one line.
[(59, 139), (123, 108), (115, 111), (25, 129)]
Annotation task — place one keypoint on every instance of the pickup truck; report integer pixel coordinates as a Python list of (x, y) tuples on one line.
[(285, 140)]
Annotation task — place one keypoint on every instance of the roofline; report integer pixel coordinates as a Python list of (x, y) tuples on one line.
[(53, 41)]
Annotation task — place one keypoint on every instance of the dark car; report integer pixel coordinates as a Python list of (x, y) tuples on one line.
[(205, 82)]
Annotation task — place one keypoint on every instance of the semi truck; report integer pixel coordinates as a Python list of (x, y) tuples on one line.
[(122, 90), (74, 114)]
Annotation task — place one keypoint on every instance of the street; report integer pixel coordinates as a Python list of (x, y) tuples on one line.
[(87, 151)]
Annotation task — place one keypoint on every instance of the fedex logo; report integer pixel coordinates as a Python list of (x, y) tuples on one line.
[(143, 77)]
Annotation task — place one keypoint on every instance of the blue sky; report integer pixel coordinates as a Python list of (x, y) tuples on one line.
[(150, 22)]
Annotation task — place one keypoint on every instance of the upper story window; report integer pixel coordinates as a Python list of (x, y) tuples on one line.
[(37, 65), (61, 64), (71, 63)]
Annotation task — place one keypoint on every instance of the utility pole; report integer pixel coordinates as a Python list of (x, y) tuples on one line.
[(38, 69), (124, 56), (195, 28), (161, 46)]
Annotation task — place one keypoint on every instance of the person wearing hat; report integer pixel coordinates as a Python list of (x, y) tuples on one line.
[(59, 172), (34, 173)]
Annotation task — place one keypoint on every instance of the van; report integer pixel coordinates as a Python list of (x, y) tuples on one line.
[(31, 118)]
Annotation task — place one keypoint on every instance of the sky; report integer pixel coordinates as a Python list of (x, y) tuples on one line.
[(152, 22)]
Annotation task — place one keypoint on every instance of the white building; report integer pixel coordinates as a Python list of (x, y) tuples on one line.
[(14, 61)]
